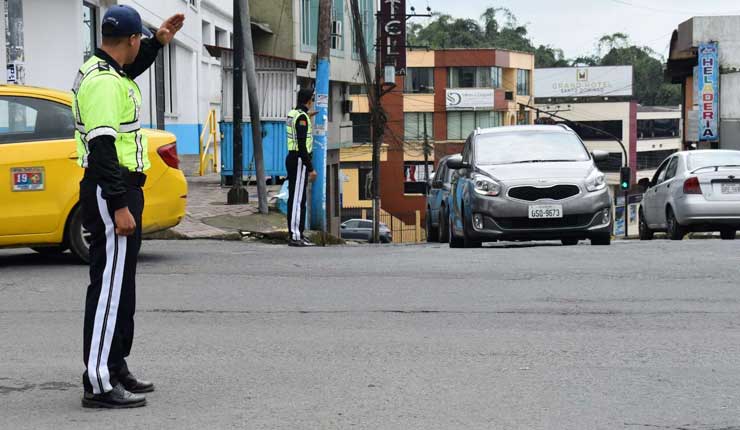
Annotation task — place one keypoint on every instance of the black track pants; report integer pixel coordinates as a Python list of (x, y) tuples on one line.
[(111, 295), (297, 178)]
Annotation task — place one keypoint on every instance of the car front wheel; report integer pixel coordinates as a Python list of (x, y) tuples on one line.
[(444, 229), (455, 242), (432, 232)]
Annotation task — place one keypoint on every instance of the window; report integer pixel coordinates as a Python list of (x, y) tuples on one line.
[(419, 80), (337, 16), (26, 119), (222, 38), (461, 124), (368, 20), (365, 183), (524, 119), (522, 82), (658, 128), (309, 23), (672, 168), (192, 3), (170, 82), (360, 127), (415, 180), (355, 90), (648, 160), (612, 127), (496, 77), (413, 125), (206, 36), (89, 29)]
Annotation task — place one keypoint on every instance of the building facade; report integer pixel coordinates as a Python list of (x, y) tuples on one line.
[(186, 81), (721, 113), (445, 95)]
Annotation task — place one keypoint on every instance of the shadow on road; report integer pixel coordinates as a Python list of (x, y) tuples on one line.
[(20, 258)]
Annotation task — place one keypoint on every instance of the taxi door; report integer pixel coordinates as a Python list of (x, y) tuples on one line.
[(39, 176)]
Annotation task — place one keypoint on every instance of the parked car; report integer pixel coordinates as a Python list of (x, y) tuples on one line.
[(438, 201), (693, 191), (523, 183), (362, 229), (39, 175)]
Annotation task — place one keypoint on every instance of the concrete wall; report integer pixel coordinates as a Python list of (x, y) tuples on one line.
[(721, 29), (279, 16), (49, 64)]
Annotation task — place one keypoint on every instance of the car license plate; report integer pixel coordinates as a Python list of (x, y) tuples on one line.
[(545, 211), (731, 188)]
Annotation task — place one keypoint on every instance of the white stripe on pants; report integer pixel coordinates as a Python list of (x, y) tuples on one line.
[(300, 182), (110, 295)]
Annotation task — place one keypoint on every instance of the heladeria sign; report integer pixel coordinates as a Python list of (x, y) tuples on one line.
[(707, 89)]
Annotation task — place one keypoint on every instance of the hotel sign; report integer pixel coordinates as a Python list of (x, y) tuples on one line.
[(707, 90), (393, 34), (470, 99), (612, 81)]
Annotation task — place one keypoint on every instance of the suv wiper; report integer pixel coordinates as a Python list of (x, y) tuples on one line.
[(716, 168), (542, 161)]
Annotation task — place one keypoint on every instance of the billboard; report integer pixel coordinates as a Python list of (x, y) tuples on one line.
[(393, 34), (609, 81), (706, 76), (470, 99)]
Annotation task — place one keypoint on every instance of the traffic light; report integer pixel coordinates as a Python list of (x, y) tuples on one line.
[(625, 178)]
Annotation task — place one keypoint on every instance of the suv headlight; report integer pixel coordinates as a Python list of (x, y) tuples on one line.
[(486, 186), (596, 181)]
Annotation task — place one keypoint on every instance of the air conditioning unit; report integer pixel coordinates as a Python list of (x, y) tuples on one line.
[(337, 33), (509, 95)]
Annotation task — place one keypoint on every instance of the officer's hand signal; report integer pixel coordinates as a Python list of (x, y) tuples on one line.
[(169, 28)]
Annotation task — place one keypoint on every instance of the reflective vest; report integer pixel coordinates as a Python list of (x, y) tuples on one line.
[(107, 103), (293, 117)]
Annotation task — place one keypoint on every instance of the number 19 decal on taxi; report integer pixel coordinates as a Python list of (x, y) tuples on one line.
[(27, 178)]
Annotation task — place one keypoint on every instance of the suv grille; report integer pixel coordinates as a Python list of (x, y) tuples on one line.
[(533, 224), (532, 194)]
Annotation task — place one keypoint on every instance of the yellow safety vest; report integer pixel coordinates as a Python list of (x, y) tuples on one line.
[(290, 127)]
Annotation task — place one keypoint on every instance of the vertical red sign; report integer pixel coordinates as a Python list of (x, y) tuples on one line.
[(393, 34)]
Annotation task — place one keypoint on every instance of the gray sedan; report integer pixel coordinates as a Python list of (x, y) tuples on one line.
[(693, 191), (362, 229), (528, 183)]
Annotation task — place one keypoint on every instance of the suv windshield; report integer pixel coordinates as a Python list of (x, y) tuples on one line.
[(713, 159), (529, 147)]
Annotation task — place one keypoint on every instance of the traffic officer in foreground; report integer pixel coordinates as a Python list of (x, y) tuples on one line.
[(298, 164), (113, 152)]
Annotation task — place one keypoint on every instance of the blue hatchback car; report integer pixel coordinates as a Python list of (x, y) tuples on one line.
[(438, 195)]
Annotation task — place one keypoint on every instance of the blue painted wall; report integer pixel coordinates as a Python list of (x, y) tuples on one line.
[(274, 148)]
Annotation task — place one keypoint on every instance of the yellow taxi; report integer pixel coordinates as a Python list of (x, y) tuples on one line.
[(39, 175)]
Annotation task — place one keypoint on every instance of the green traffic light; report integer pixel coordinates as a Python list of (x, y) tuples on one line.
[(625, 185)]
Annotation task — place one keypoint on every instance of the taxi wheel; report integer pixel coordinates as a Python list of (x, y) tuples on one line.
[(78, 237)]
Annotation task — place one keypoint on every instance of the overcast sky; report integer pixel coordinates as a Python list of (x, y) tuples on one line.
[(576, 25)]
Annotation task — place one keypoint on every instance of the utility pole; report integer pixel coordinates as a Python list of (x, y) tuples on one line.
[(318, 189), (426, 151), (254, 105), (377, 115), (238, 193)]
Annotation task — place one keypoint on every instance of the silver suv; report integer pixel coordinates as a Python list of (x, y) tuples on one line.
[(535, 182)]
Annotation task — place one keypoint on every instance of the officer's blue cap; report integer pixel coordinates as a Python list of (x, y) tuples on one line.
[(121, 21)]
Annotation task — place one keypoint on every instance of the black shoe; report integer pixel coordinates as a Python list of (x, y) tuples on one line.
[(298, 243), (307, 242), (136, 386), (118, 398)]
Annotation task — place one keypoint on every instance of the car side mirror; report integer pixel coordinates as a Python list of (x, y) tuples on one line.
[(457, 164), (645, 183), (342, 226), (600, 155)]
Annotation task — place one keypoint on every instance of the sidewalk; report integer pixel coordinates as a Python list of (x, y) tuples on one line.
[(209, 217)]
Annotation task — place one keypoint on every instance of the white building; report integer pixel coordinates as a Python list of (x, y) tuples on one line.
[(58, 34)]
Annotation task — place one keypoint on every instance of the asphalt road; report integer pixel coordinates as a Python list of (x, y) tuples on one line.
[(633, 336)]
